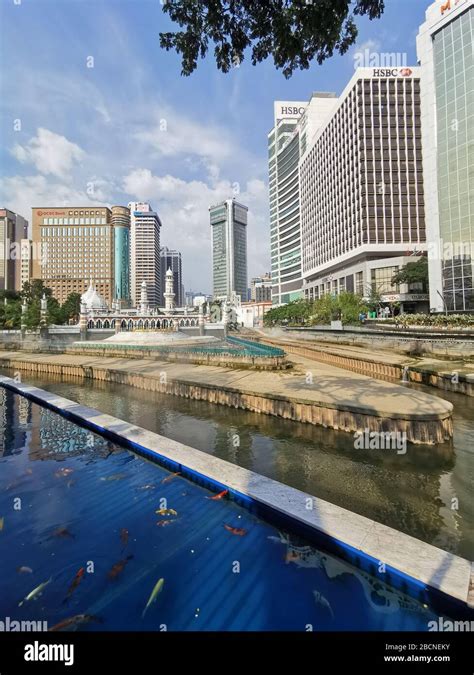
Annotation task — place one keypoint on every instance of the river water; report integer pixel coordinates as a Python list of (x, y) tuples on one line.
[(427, 492)]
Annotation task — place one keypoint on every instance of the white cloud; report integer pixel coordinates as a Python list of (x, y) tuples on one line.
[(183, 207), (172, 135), (50, 153)]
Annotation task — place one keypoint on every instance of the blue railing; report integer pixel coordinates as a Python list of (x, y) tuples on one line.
[(234, 347)]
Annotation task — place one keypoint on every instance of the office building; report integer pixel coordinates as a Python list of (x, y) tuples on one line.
[(295, 122), (171, 260), (229, 248), (77, 246), (445, 54), (361, 183), (145, 253), (13, 228), (261, 288), (26, 261), (121, 229)]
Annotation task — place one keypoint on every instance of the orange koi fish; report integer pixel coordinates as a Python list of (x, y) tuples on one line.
[(219, 496), (63, 532), (239, 531), (163, 523), (75, 583), (168, 479), (118, 567), (75, 621)]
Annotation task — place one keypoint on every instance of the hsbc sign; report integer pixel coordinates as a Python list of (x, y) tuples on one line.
[(392, 72), (291, 110)]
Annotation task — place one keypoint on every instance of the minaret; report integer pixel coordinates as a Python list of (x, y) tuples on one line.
[(169, 293), (143, 299)]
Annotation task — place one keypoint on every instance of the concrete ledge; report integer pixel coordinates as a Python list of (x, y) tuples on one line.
[(333, 401), (463, 384), (413, 566)]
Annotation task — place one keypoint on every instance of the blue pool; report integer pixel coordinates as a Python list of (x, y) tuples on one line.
[(79, 514)]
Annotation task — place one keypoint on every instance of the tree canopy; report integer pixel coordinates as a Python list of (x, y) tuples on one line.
[(294, 32), (413, 272)]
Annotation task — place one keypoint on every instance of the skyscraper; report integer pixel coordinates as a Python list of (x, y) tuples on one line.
[(121, 229), (229, 248), (13, 228), (77, 246), (286, 142), (444, 47), (171, 259), (361, 185), (145, 253), (261, 288)]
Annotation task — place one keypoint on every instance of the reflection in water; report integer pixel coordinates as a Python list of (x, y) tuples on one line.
[(425, 492), (91, 557)]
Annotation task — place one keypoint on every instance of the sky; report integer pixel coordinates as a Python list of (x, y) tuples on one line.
[(93, 111)]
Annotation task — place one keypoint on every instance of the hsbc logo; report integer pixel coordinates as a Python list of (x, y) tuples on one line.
[(392, 72), (291, 110)]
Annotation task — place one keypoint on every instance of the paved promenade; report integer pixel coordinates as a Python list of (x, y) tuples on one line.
[(309, 382)]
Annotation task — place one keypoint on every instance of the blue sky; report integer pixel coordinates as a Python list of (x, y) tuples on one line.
[(132, 128)]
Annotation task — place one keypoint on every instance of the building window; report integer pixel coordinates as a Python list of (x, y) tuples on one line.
[(382, 280)]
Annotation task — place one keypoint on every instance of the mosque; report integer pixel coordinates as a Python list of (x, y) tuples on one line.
[(195, 321)]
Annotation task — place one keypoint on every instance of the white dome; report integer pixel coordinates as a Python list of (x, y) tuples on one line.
[(92, 299)]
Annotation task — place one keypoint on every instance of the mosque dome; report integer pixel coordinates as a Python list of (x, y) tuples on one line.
[(92, 299)]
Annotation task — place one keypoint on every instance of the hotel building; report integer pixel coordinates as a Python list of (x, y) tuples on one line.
[(145, 253), (77, 245), (445, 53), (171, 260), (294, 124), (361, 184), (229, 249), (13, 228)]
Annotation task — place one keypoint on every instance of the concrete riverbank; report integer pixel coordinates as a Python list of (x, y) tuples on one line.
[(455, 376), (314, 393)]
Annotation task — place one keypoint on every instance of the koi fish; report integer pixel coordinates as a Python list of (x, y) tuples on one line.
[(24, 570), (239, 531), (124, 536), (36, 592), (118, 567), (2, 522), (154, 594), (219, 496), (75, 621), (321, 600), (168, 479), (166, 512), (148, 486), (63, 532), (75, 583), (163, 523), (63, 472), (114, 476)]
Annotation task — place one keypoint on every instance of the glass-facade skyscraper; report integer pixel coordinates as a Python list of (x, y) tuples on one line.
[(229, 249), (121, 228), (171, 260), (445, 52)]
